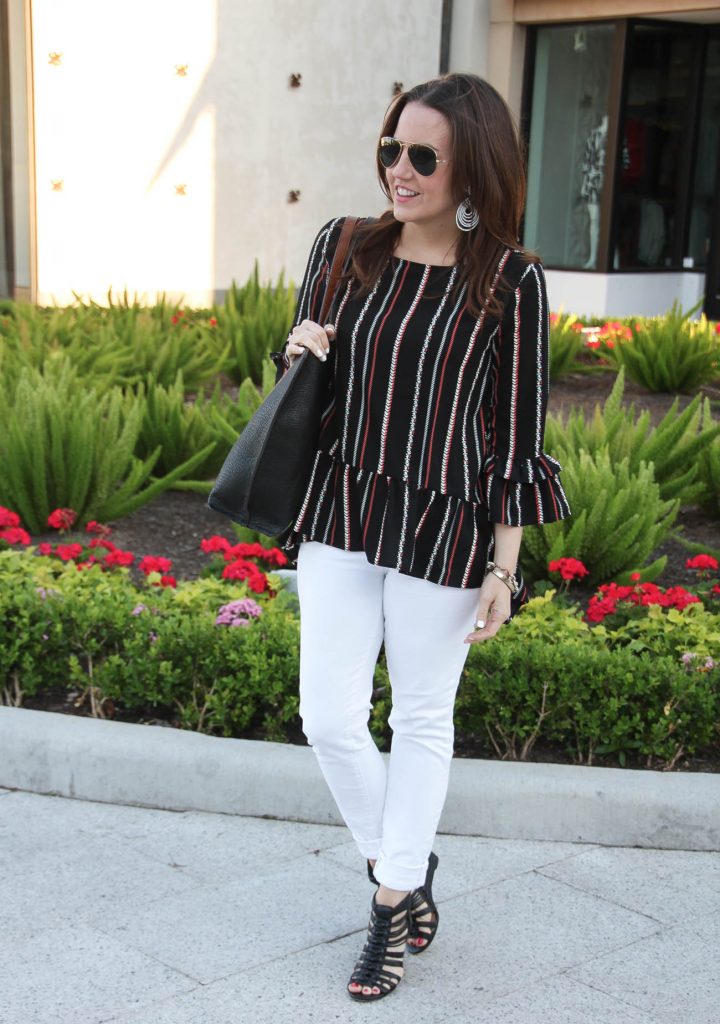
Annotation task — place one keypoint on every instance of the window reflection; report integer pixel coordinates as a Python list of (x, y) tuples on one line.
[(656, 119), (567, 142)]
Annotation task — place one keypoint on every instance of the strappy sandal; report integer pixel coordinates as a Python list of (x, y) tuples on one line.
[(384, 948), (422, 904)]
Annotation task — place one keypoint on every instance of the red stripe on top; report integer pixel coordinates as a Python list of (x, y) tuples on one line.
[(457, 538), (372, 367), (439, 394)]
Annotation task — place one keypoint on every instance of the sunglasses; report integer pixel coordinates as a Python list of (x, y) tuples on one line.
[(424, 158)]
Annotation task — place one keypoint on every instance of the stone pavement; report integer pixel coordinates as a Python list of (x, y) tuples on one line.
[(143, 916)]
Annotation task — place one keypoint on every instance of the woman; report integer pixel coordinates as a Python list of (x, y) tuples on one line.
[(429, 464)]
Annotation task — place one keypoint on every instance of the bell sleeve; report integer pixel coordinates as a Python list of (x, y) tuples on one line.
[(312, 289), (522, 484)]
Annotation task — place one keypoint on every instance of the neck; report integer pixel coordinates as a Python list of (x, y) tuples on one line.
[(429, 243)]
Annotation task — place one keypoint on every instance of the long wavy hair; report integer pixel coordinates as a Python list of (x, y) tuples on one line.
[(488, 158)]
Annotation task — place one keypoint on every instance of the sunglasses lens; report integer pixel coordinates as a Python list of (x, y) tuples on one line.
[(423, 159), (389, 151)]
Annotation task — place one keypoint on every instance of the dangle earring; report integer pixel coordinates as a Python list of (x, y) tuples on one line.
[(467, 216)]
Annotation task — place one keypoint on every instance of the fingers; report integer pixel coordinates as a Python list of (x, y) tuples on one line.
[(311, 336), (490, 612)]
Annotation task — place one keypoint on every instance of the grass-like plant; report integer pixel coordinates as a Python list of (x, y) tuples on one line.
[(64, 445), (566, 344), (674, 446), (255, 319), (619, 518), (670, 353)]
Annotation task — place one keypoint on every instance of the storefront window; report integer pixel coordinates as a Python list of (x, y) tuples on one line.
[(656, 123), (568, 132), (706, 163)]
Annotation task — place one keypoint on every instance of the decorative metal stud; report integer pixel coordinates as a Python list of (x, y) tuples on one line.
[(293, 195), (295, 80), (55, 58)]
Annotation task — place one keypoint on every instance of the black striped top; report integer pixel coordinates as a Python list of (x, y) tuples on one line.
[(434, 424)]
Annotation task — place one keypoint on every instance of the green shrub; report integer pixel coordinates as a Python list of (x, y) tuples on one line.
[(586, 692), (671, 352), (618, 520), (142, 651)]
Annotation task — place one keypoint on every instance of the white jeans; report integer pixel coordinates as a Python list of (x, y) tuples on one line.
[(348, 605)]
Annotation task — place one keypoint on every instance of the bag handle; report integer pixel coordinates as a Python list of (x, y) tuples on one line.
[(338, 262)]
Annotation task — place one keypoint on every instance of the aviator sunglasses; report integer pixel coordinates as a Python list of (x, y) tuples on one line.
[(424, 158)]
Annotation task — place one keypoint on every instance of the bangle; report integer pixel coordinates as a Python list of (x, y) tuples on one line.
[(503, 574)]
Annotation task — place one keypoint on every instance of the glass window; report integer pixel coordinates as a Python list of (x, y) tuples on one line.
[(706, 163), (656, 122), (568, 130)]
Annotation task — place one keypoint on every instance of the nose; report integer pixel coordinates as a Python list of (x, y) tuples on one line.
[(403, 167)]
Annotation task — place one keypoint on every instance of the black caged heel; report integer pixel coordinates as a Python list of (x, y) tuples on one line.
[(422, 905), (382, 956)]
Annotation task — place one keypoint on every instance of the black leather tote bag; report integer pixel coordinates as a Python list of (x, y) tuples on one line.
[(262, 481)]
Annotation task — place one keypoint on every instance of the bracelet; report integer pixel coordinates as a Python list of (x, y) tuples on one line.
[(503, 574)]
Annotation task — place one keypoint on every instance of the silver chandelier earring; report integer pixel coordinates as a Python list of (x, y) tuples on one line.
[(467, 216)]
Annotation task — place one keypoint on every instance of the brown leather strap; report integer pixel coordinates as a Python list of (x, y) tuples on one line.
[(337, 265)]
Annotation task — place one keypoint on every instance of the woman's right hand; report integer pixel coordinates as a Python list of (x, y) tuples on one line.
[(310, 335)]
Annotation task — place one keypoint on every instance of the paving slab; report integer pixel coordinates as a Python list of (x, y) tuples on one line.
[(114, 913)]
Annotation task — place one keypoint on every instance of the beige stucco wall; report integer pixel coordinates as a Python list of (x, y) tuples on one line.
[(120, 129)]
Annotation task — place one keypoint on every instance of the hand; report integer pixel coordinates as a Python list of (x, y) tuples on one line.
[(493, 608), (310, 335)]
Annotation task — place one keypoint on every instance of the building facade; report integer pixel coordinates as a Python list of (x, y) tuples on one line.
[(164, 147)]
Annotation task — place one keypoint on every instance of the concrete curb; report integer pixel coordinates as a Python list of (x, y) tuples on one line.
[(156, 766)]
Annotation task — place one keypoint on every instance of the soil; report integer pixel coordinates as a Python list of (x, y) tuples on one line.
[(173, 524)]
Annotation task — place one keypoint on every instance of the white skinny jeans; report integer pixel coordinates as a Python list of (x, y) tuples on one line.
[(348, 605)]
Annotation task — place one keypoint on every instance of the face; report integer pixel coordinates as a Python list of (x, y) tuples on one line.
[(430, 200)]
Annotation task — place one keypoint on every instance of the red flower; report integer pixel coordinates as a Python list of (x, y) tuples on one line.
[(593, 343), (67, 552), (8, 518), (598, 609), (214, 543), (554, 317), (153, 563), (716, 589), (702, 562), (212, 321), (15, 535), (100, 528), (96, 542), (717, 327), (569, 568), (118, 557), (62, 518), (174, 319), (166, 581), (634, 575), (45, 549)]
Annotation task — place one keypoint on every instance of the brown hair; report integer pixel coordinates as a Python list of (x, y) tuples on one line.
[(488, 158)]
